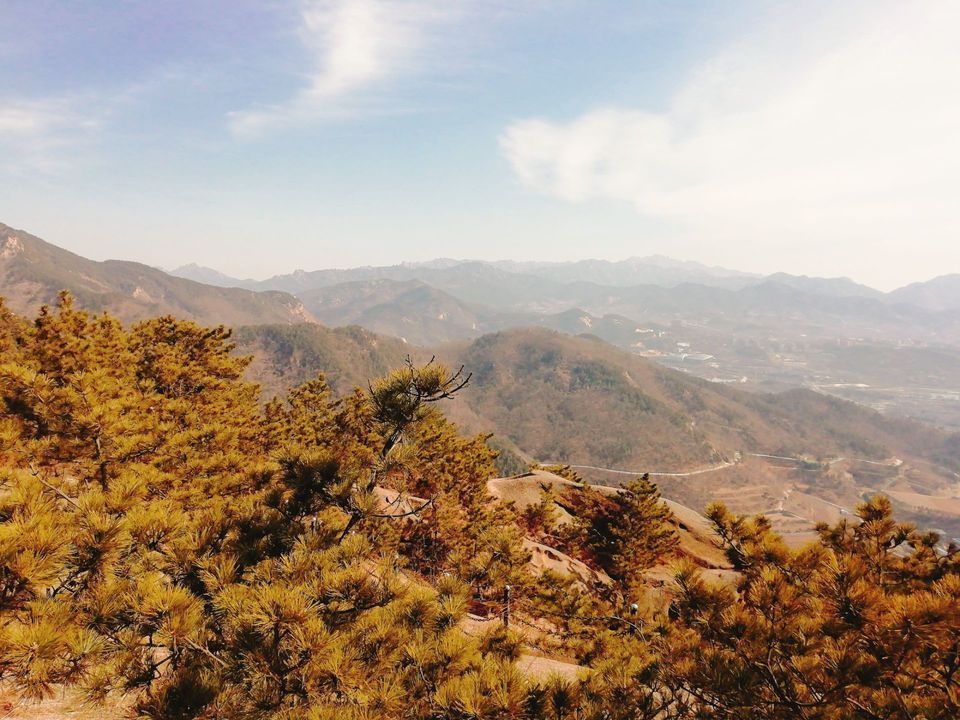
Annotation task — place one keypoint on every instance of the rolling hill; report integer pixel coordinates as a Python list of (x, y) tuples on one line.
[(580, 400), (775, 333), (423, 315), (650, 270), (33, 271), (409, 309), (465, 275), (472, 282), (660, 290), (831, 287), (941, 294), (288, 355), (205, 275)]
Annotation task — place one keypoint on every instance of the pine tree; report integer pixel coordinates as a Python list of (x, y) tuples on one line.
[(161, 535), (862, 624), (643, 535), (624, 533)]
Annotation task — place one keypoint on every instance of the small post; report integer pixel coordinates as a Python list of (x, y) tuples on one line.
[(506, 606)]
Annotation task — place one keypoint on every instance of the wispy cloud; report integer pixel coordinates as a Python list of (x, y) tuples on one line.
[(353, 46), (813, 131), (36, 135)]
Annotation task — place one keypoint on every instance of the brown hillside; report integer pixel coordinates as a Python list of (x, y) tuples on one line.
[(579, 400), (549, 397), (33, 271)]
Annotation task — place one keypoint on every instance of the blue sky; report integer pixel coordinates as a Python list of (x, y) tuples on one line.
[(260, 137)]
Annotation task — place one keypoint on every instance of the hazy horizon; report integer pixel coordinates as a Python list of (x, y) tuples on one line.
[(293, 268), (253, 138), (499, 261)]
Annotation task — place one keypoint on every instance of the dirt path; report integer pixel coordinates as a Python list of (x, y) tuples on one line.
[(541, 667), (63, 706)]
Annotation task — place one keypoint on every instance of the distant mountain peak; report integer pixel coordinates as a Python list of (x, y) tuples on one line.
[(832, 286), (436, 263), (940, 294), (205, 275), (668, 263)]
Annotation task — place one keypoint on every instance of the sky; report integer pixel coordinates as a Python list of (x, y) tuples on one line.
[(818, 138)]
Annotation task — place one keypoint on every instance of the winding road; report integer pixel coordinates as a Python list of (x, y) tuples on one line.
[(638, 473)]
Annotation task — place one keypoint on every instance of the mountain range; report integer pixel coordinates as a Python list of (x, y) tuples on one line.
[(599, 376), (939, 294), (767, 332), (897, 352), (466, 299)]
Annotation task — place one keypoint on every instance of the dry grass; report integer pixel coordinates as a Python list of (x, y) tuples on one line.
[(544, 557)]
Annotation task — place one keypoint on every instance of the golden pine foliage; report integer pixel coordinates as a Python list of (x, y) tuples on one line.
[(164, 535)]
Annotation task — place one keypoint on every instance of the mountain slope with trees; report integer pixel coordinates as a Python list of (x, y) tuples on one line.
[(408, 309), (539, 387), (577, 399), (284, 356), (771, 332)]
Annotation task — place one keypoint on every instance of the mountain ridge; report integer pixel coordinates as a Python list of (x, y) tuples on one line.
[(773, 333), (694, 272), (940, 294), (33, 272)]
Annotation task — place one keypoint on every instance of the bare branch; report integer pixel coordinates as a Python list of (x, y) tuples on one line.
[(54, 488), (406, 514)]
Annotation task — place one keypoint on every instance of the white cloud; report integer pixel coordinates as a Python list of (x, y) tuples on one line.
[(838, 133), (354, 45), (39, 118), (38, 134)]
